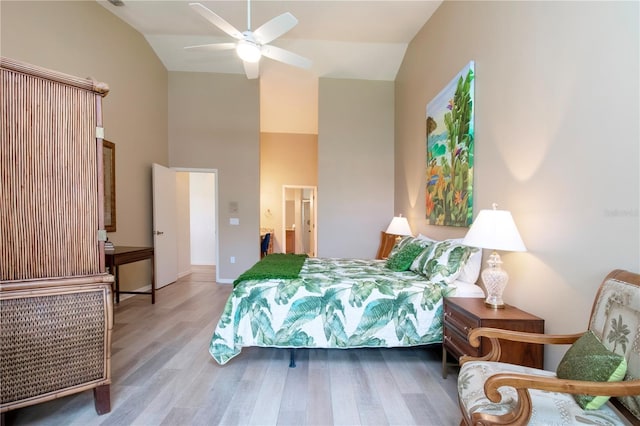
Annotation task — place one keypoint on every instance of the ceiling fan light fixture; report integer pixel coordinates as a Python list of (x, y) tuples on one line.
[(248, 51)]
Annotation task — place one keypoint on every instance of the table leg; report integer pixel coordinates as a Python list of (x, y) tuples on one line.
[(116, 273), (444, 362), (153, 280)]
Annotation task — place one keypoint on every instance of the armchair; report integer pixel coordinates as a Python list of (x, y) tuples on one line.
[(495, 393)]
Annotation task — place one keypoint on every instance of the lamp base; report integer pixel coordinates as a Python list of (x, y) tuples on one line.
[(495, 280), (493, 305)]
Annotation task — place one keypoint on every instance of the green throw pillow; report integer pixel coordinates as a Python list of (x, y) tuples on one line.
[(403, 258), (588, 359), (400, 242)]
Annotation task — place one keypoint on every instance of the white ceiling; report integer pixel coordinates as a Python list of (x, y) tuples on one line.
[(344, 39)]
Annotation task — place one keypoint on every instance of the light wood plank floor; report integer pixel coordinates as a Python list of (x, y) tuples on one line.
[(162, 374)]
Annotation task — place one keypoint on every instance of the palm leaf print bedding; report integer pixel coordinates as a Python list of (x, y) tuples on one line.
[(334, 303)]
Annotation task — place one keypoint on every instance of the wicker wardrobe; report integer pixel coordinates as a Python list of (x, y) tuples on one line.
[(56, 311)]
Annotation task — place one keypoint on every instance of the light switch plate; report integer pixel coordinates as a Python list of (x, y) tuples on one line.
[(234, 221)]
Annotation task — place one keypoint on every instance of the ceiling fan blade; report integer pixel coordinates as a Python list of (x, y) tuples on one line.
[(251, 69), (216, 20), (213, 47), (285, 56), (274, 28)]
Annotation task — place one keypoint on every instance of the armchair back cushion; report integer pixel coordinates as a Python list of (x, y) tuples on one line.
[(615, 320)]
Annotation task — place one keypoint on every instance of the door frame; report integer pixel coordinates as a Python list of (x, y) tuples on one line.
[(215, 213), (314, 214)]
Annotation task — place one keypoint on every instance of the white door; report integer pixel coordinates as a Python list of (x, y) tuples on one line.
[(165, 224)]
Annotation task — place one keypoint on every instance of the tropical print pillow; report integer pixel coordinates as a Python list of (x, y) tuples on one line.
[(443, 261)]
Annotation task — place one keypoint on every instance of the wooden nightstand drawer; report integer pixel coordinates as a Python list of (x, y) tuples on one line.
[(459, 319), (458, 344), (462, 314)]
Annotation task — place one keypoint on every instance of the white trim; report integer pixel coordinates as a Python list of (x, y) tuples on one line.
[(215, 172)]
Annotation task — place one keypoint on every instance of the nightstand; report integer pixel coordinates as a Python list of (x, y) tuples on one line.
[(462, 314)]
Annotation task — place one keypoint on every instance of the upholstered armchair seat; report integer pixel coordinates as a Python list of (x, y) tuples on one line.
[(496, 393), (549, 408)]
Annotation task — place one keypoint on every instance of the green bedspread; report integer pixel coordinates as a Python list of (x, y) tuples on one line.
[(274, 266)]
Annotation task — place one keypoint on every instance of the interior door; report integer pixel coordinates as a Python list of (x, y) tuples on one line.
[(165, 224)]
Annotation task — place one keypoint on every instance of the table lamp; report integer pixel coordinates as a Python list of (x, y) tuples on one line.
[(399, 226), (494, 229)]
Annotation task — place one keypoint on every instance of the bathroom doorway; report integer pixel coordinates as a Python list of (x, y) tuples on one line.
[(299, 231)]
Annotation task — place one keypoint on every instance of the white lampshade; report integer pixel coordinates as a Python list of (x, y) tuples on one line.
[(496, 230), (399, 226), (248, 51)]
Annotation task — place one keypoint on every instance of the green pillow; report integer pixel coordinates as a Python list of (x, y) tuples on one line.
[(400, 242), (588, 359), (403, 258)]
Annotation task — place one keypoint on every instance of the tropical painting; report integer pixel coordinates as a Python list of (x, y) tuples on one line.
[(450, 134)]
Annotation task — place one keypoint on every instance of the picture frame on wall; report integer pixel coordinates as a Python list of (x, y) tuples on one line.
[(450, 143), (109, 167)]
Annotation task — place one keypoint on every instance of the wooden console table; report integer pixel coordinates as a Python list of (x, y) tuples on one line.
[(121, 255)]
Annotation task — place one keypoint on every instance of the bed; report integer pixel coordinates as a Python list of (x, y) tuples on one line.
[(347, 303)]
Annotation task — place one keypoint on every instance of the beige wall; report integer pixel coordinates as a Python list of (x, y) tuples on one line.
[(556, 139), (82, 38), (355, 166), (214, 124), (288, 99), (285, 159)]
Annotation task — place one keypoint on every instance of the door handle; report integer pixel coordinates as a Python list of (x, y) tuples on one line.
[(158, 232)]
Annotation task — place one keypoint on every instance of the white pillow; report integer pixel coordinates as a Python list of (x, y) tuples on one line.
[(471, 270), (466, 289)]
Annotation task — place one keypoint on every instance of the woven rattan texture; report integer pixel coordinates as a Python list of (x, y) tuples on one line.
[(52, 342)]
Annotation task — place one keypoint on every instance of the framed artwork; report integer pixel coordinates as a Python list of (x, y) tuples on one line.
[(109, 167), (450, 137)]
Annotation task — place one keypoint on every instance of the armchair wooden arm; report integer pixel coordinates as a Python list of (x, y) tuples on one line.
[(523, 382), (493, 334)]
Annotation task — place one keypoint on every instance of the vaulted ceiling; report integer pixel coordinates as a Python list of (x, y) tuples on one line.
[(343, 39)]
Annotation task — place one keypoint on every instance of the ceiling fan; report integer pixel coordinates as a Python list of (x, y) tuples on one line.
[(253, 45)]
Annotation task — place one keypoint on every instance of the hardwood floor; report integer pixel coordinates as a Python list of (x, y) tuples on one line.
[(162, 374)]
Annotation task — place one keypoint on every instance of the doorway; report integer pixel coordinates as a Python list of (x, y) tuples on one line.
[(195, 207), (299, 230)]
